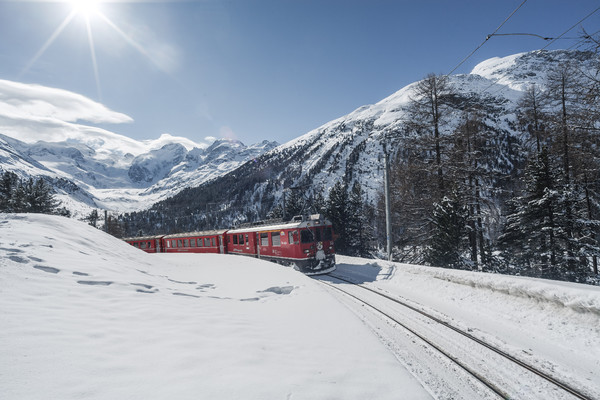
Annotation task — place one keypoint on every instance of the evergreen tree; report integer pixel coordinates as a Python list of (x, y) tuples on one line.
[(447, 242), (92, 218), (531, 234), (8, 185), (318, 204), (41, 198), (294, 203), (337, 213), (358, 229)]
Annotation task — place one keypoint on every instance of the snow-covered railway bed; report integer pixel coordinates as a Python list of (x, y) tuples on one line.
[(451, 362)]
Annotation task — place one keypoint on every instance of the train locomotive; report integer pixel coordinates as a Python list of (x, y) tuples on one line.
[(304, 243)]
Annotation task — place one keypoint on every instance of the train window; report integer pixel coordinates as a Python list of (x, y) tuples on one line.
[(179, 243), (275, 239), (327, 233), (186, 242), (143, 245), (206, 242), (242, 239), (264, 239), (192, 242), (318, 234), (235, 239), (293, 237), (199, 240), (306, 236), (168, 243), (247, 238), (214, 242)]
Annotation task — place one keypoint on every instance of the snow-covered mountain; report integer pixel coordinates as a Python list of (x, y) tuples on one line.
[(115, 172), (350, 148), (88, 176)]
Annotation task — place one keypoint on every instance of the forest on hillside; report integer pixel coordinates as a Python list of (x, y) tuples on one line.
[(520, 200)]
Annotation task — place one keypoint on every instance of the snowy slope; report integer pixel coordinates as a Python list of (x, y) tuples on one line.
[(113, 177), (51, 132), (350, 148), (87, 316)]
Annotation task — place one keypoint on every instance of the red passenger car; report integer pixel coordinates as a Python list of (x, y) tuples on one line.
[(149, 244), (195, 242)]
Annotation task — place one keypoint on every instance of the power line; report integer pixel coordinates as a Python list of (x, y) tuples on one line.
[(568, 30), (543, 48), (487, 38)]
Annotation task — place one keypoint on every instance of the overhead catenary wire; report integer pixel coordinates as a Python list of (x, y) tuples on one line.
[(487, 38), (571, 28), (552, 40)]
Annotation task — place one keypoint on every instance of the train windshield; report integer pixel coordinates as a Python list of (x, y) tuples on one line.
[(317, 234), (306, 236)]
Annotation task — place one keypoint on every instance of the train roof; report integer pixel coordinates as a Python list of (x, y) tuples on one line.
[(298, 222), (202, 233), (137, 238)]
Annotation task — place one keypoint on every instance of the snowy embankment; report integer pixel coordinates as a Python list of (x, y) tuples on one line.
[(86, 316), (550, 324)]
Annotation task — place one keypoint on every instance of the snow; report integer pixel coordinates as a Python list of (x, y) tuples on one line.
[(87, 316), (84, 315), (553, 325)]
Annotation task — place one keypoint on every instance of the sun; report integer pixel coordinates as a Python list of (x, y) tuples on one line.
[(86, 8)]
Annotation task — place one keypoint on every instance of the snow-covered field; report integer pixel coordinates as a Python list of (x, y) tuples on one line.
[(86, 316)]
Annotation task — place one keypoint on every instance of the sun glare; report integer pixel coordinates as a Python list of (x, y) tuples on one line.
[(87, 8)]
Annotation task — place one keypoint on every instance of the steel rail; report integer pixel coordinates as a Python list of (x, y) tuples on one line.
[(498, 351)]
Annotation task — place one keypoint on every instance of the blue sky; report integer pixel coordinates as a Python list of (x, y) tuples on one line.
[(261, 69)]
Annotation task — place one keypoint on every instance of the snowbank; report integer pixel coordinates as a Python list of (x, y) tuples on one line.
[(553, 325), (86, 316)]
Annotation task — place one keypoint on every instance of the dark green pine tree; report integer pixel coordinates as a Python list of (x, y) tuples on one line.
[(8, 185), (448, 239), (337, 213), (318, 204), (294, 203), (40, 197), (358, 230), (531, 233)]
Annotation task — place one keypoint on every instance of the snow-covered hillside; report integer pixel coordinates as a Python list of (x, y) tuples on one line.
[(86, 316), (122, 174), (352, 146)]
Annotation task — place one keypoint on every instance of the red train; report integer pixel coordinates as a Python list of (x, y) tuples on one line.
[(304, 243)]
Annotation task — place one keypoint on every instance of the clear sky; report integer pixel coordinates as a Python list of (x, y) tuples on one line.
[(261, 69)]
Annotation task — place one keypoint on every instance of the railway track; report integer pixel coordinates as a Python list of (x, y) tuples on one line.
[(501, 373)]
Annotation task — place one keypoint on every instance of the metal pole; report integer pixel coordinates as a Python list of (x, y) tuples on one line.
[(388, 205)]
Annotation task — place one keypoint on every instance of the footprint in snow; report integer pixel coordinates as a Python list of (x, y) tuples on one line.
[(18, 259), (51, 270), (185, 294), (278, 290), (145, 288), (95, 283), (185, 283)]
